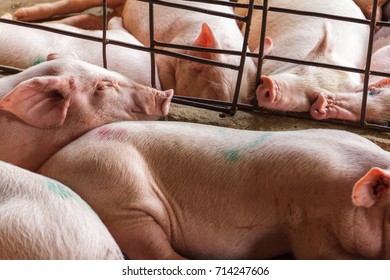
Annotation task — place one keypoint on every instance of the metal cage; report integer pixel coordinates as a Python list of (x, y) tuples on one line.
[(232, 106)]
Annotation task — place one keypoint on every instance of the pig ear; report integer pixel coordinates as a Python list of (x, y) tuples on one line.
[(158, 107), (268, 45), (40, 102), (324, 46), (382, 83), (372, 188), (205, 39)]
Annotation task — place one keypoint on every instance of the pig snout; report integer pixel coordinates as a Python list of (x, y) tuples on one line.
[(165, 98), (153, 102), (267, 92)]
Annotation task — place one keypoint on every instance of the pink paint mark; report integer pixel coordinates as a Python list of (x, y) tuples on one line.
[(111, 134)]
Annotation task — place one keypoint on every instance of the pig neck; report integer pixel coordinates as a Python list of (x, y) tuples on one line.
[(27, 146)]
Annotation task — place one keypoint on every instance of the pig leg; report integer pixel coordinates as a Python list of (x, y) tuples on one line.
[(85, 21), (145, 241), (48, 10), (347, 106), (344, 106)]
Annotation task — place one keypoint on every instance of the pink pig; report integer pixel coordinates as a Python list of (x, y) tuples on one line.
[(187, 190), (47, 106), (367, 6), (176, 26), (347, 105), (42, 219), (293, 87), (22, 51)]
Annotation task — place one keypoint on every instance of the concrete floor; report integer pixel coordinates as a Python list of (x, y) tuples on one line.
[(241, 120)]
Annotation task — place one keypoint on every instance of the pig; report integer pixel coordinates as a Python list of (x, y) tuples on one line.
[(290, 87), (23, 51), (172, 190), (367, 5), (348, 106), (49, 105), (178, 26), (43, 219)]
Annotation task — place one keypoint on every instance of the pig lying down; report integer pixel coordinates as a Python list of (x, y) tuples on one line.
[(177, 26), (289, 87), (48, 105), (42, 219), (23, 51), (186, 190)]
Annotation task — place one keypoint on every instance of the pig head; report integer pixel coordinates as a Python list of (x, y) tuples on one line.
[(46, 106), (296, 87), (183, 27)]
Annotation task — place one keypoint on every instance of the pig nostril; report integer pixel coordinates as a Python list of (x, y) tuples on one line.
[(261, 81)]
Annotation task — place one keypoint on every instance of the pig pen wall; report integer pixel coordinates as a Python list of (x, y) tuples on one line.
[(241, 119)]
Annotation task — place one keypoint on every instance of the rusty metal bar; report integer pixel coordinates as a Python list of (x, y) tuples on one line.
[(152, 45), (261, 49), (194, 9), (104, 37), (368, 64), (248, 22), (224, 106)]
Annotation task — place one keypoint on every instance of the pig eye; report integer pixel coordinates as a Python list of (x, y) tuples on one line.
[(56, 94), (104, 87)]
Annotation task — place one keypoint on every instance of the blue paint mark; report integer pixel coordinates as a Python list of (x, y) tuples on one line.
[(231, 155), (38, 61), (374, 92), (235, 154), (59, 189)]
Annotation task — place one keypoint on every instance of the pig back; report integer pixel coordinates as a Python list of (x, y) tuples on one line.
[(43, 219), (203, 181), (295, 35)]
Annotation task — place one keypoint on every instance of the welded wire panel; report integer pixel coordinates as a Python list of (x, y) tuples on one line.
[(161, 48)]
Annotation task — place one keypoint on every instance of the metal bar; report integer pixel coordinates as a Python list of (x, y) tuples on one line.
[(104, 37), (313, 14), (316, 64), (368, 64), (198, 49), (220, 3), (224, 106), (152, 45), (196, 59), (194, 9), (200, 105), (248, 22), (261, 48)]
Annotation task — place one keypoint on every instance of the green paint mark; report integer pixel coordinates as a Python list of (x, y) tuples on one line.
[(258, 140), (231, 155), (59, 189), (38, 61), (234, 154)]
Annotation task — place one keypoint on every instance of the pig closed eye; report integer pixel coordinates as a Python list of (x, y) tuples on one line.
[(56, 95), (104, 87)]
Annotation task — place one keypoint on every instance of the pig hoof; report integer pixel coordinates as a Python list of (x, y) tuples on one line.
[(319, 108)]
